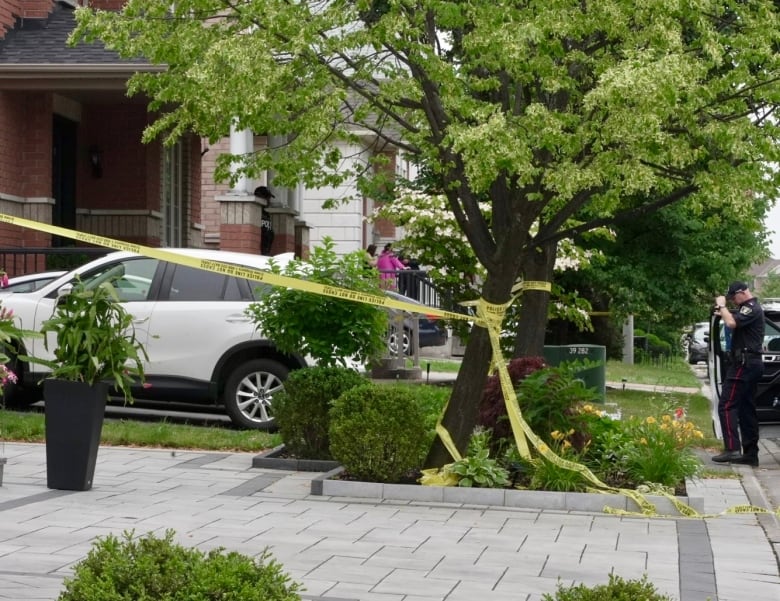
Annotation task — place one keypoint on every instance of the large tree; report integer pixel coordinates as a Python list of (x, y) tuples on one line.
[(561, 115), (665, 268)]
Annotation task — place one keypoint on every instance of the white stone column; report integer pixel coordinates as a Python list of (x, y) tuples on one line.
[(281, 194), (241, 142)]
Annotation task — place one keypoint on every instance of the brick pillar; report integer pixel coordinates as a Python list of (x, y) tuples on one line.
[(302, 242), (239, 228), (283, 222)]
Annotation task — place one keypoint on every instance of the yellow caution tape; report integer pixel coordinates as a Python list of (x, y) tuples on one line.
[(488, 315), (233, 269)]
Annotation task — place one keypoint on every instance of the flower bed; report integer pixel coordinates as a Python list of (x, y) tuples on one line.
[(329, 484)]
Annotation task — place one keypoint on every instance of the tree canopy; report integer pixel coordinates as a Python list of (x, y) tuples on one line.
[(560, 115)]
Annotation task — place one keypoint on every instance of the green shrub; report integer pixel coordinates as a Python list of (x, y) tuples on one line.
[(431, 400), (137, 568), (301, 410), (378, 432), (324, 327), (616, 589)]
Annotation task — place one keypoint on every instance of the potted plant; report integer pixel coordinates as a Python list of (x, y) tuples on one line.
[(97, 351)]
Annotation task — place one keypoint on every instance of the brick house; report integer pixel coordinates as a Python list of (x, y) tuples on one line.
[(71, 155)]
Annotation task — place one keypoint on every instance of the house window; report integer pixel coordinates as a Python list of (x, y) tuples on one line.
[(174, 195)]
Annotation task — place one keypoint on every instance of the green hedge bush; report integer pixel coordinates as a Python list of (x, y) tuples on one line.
[(302, 409), (151, 569), (378, 432), (616, 589)]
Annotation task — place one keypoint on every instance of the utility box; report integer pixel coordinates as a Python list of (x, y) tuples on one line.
[(594, 377)]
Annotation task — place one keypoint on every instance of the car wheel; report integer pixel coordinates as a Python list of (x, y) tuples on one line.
[(249, 392), (392, 343)]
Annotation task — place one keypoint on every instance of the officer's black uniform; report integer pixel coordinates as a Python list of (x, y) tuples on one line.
[(266, 228), (737, 408)]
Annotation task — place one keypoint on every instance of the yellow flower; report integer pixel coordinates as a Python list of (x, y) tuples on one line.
[(650, 420), (666, 419), (556, 435), (643, 440)]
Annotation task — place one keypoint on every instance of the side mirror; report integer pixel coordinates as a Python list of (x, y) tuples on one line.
[(63, 291)]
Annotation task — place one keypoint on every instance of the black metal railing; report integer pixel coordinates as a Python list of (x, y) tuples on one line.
[(21, 261), (415, 284)]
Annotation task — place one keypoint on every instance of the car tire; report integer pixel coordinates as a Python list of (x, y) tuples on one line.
[(407, 343), (249, 393)]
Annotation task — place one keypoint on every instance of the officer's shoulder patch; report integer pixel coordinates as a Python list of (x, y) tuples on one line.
[(745, 310)]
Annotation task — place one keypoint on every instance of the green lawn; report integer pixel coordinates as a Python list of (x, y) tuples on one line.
[(675, 372)]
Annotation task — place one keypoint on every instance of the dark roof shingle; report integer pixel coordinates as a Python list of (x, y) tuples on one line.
[(44, 42)]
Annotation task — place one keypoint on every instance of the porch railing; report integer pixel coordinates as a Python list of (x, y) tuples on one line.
[(21, 261)]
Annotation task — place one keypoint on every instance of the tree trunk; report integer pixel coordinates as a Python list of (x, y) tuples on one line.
[(538, 266), (460, 416)]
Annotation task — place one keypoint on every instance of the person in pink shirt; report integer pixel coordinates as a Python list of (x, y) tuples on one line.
[(388, 264)]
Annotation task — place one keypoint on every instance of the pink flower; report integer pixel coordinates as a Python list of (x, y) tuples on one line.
[(7, 376), (4, 281), (679, 413)]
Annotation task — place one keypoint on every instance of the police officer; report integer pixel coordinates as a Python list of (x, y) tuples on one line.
[(266, 228), (736, 407)]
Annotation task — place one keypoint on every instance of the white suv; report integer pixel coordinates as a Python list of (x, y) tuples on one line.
[(202, 347)]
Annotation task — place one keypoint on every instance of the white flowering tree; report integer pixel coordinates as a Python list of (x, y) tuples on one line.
[(558, 116)]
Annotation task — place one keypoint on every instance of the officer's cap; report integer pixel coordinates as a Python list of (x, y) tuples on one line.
[(735, 287)]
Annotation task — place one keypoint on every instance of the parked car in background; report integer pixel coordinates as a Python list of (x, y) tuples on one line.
[(202, 346), (31, 282), (696, 343), (431, 331)]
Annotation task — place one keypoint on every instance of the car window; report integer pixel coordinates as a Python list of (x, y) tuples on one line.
[(131, 278), (699, 334), (259, 289), (192, 284), (30, 286), (771, 337)]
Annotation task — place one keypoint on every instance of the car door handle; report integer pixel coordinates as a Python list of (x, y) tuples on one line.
[(237, 318)]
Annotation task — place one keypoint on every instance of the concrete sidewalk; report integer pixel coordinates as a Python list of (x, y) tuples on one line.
[(342, 548)]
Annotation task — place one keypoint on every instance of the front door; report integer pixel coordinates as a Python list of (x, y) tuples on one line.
[(63, 164)]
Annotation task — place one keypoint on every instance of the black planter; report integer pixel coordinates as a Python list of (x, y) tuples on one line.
[(74, 420)]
